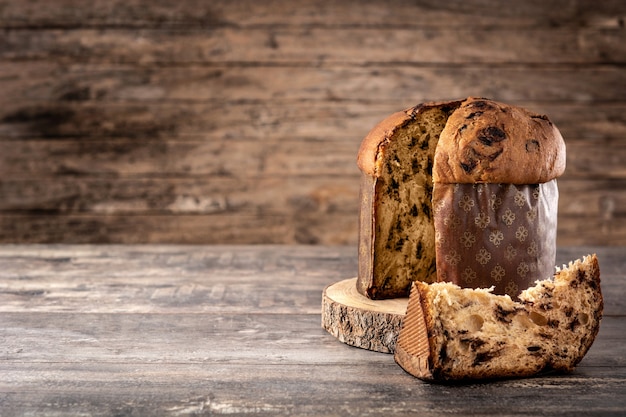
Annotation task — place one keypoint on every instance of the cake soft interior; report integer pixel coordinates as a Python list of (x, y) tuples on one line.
[(404, 245), (474, 333)]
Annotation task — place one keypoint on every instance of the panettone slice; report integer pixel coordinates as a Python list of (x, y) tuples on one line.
[(453, 334)]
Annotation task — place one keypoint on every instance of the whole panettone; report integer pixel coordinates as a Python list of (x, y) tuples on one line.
[(459, 191)]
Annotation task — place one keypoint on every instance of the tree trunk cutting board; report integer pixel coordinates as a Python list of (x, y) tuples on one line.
[(358, 321)]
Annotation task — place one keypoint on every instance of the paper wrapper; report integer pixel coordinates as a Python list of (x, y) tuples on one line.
[(501, 235)]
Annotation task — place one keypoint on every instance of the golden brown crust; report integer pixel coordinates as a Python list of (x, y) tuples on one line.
[(367, 157), (489, 142)]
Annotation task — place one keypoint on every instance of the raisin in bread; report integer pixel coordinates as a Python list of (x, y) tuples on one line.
[(451, 333), (460, 191)]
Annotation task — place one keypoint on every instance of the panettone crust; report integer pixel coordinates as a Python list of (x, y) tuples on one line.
[(489, 142)]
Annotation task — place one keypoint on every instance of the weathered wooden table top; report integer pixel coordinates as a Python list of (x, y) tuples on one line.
[(202, 330)]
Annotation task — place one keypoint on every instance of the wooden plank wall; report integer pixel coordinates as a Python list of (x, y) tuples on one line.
[(223, 121)]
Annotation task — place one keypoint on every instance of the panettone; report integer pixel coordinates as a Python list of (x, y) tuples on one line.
[(459, 191), (453, 334)]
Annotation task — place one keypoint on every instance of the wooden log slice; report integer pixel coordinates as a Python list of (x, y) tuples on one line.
[(358, 321)]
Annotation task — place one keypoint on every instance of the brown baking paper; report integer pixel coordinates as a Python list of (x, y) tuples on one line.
[(500, 235)]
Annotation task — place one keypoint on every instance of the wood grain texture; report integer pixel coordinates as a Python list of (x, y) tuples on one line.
[(358, 321), (399, 83), (239, 122), (318, 45), (203, 330), (185, 13)]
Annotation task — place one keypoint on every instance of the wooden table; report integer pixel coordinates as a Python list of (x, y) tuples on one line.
[(202, 330)]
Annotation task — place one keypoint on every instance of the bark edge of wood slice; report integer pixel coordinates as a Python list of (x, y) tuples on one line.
[(358, 321)]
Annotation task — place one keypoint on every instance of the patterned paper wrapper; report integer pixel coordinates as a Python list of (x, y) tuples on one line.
[(500, 235)]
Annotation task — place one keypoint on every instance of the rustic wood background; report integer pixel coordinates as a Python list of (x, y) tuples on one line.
[(189, 121)]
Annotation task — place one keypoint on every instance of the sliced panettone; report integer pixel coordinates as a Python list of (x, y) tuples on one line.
[(396, 232), (460, 191), (453, 334)]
